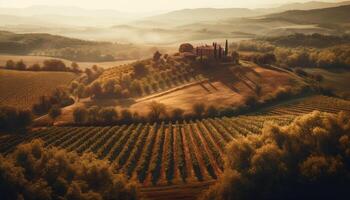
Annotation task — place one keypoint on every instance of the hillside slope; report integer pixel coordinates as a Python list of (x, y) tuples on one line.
[(332, 15)]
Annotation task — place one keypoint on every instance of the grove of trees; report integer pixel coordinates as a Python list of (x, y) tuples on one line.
[(12, 119), (308, 159), (34, 172)]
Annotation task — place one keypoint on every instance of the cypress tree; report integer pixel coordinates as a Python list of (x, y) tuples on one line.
[(215, 51), (201, 55), (226, 48)]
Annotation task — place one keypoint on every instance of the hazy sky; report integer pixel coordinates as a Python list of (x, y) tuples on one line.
[(147, 5)]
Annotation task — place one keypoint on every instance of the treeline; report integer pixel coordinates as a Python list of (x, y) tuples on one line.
[(300, 50), (158, 112), (35, 172), (315, 40), (335, 57), (13, 120), (308, 159), (60, 97), (47, 65), (267, 44), (332, 57), (82, 54)]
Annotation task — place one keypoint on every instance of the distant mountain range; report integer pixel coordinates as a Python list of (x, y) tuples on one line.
[(214, 14), (308, 6), (74, 16), (182, 25)]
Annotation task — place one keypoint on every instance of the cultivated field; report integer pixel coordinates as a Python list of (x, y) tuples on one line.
[(22, 89), (163, 154), (30, 60), (337, 79)]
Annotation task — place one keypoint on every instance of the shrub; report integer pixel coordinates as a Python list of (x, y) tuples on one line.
[(156, 110), (157, 56), (33, 172), (308, 159), (54, 112), (140, 69), (10, 64), (20, 65)]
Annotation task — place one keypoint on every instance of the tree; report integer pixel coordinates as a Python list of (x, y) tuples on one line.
[(108, 115), (118, 91), (140, 69), (80, 91), (54, 112), (96, 90), (93, 114), (212, 111), (215, 51), (75, 67), (10, 64), (157, 56), (235, 57), (226, 48), (126, 116), (136, 88), (156, 110), (198, 109), (80, 115), (177, 114), (20, 65), (109, 87), (34, 67), (186, 47)]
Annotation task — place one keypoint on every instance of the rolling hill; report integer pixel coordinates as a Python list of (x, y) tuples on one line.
[(42, 44), (307, 6), (334, 15)]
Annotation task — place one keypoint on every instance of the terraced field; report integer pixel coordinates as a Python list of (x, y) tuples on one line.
[(163, 154)]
